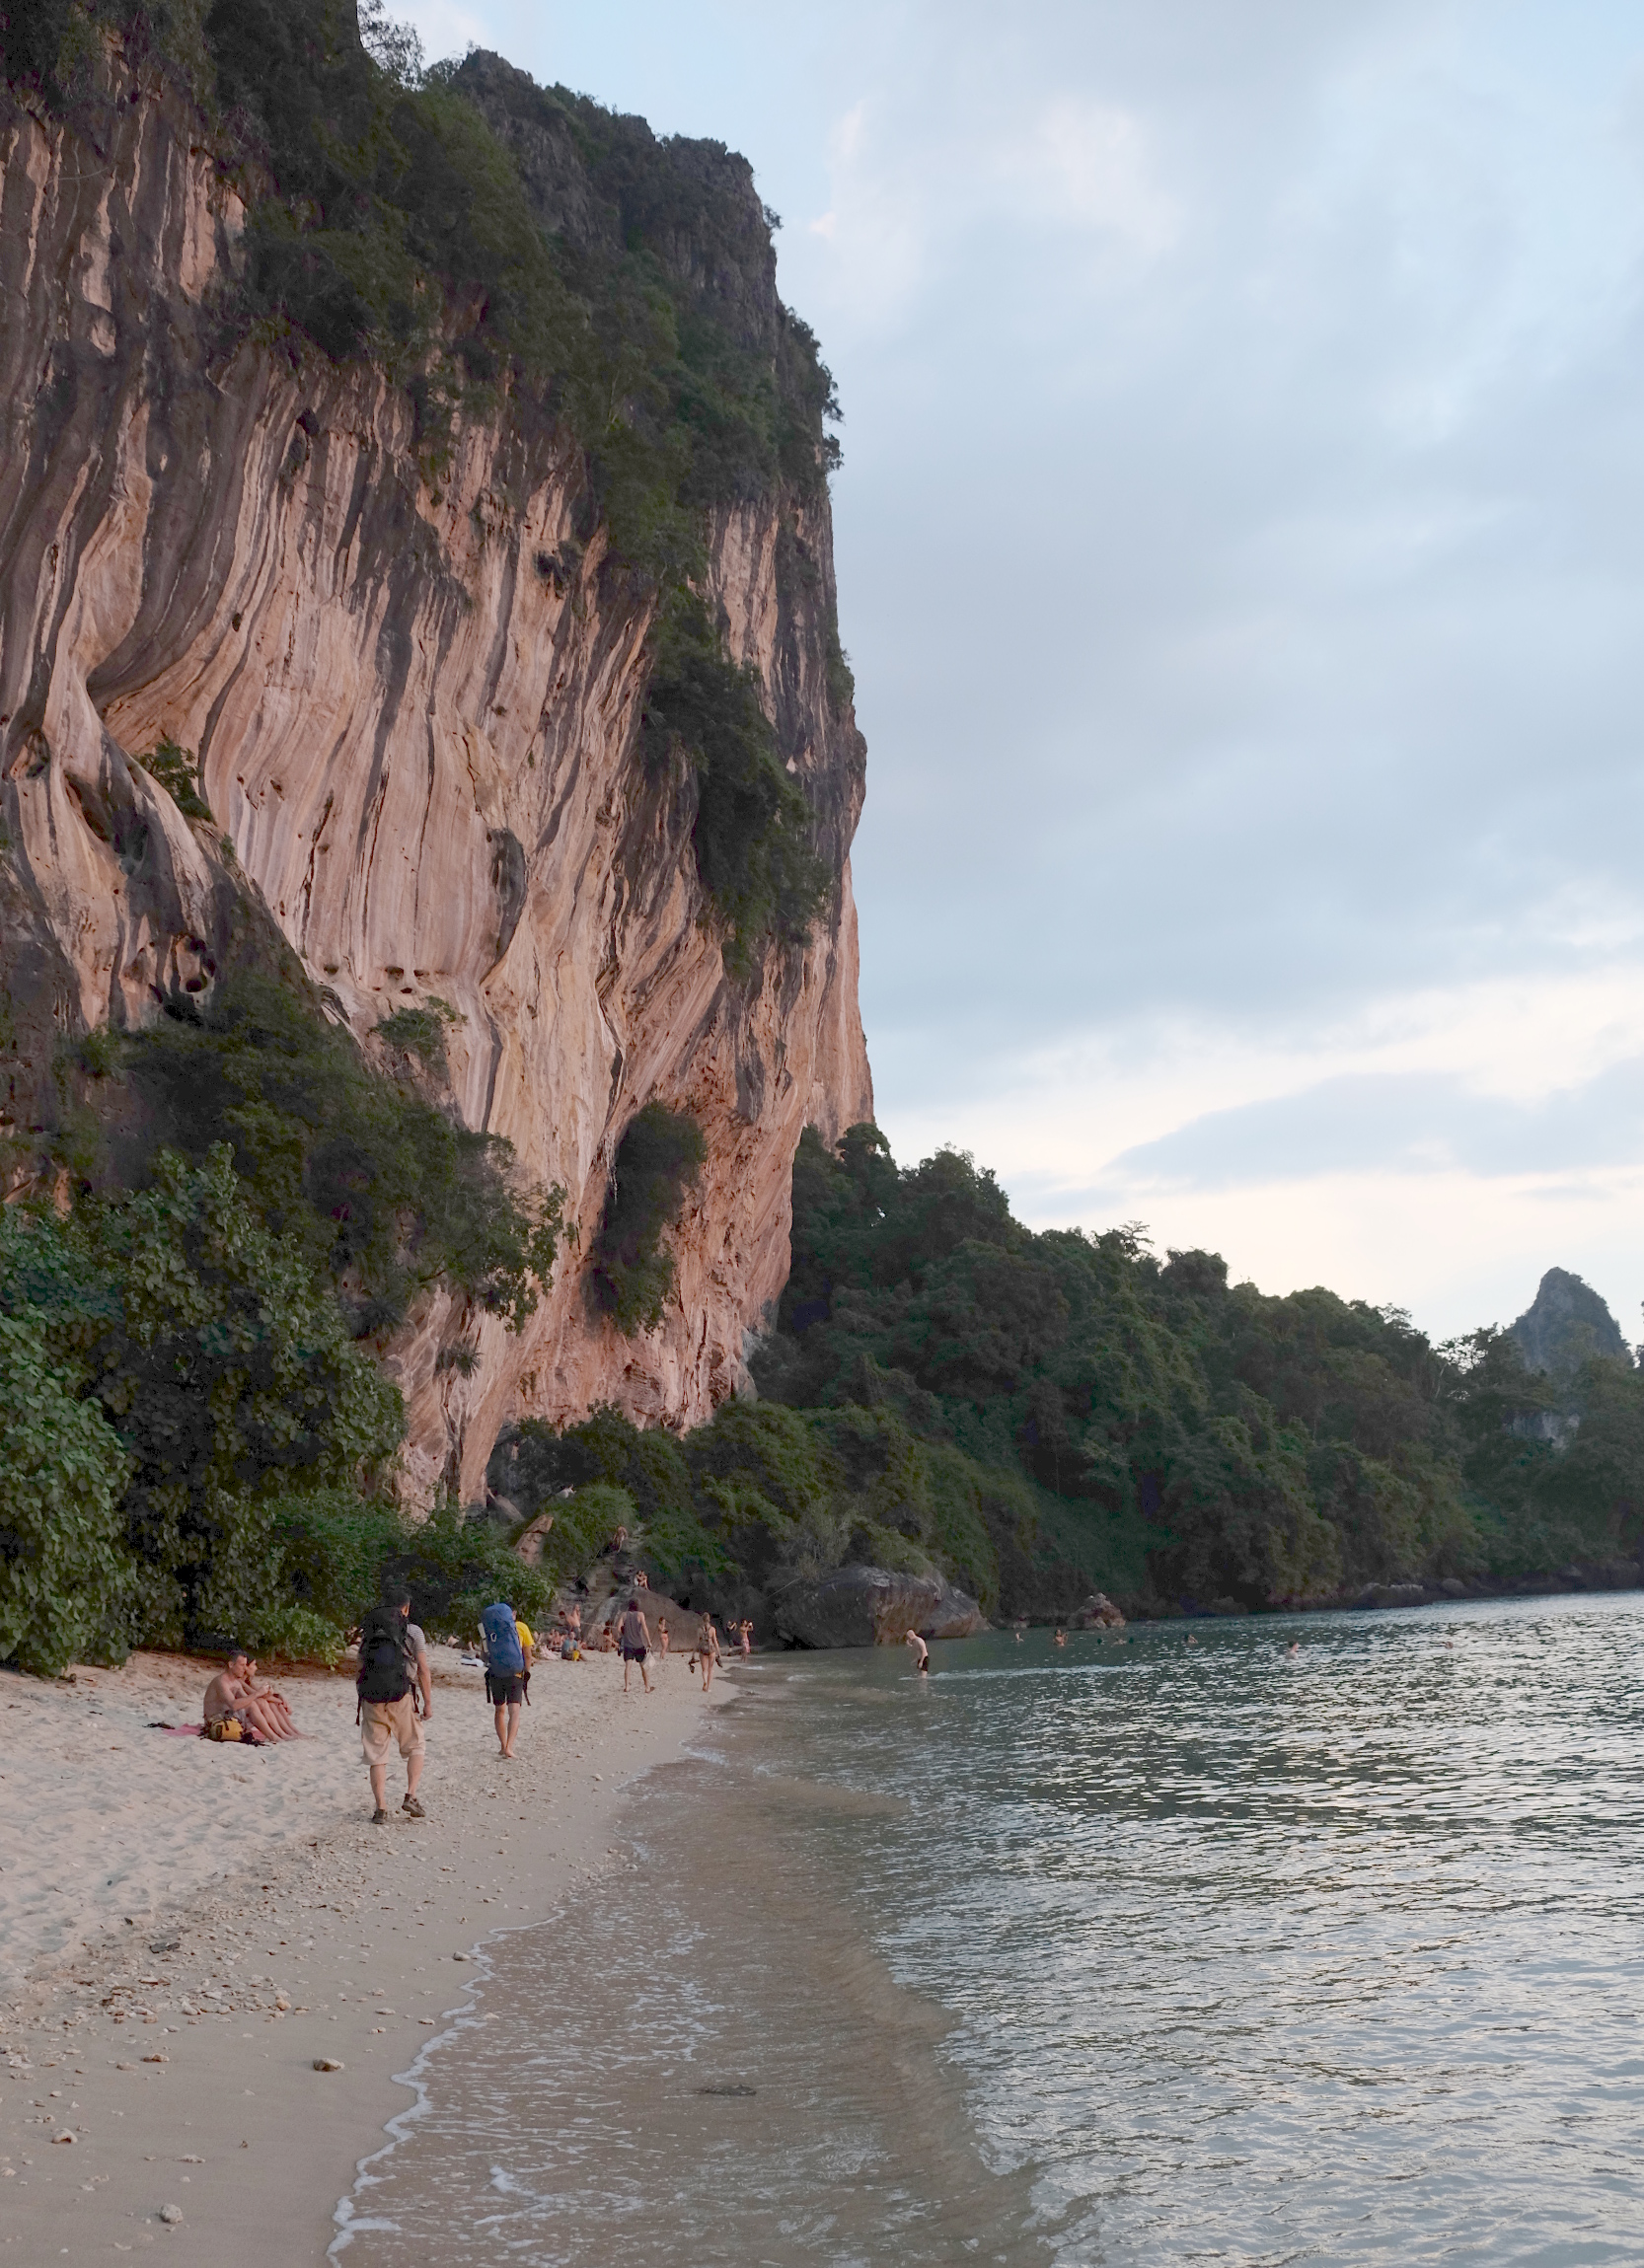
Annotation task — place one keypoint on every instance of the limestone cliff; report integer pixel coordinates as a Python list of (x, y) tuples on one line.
[(414, 688)]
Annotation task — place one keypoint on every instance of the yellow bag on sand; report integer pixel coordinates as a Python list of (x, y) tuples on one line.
[(225, 1728)]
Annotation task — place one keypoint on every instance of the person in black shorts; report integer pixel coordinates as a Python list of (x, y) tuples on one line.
[(505, 1669), (635, 1642), (506, 1690)]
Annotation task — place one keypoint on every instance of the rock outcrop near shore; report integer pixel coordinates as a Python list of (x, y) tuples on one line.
[(871, 1606), (411, 683)]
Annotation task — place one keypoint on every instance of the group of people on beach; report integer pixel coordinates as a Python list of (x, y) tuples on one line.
[(238, 1697), (395, 1683)]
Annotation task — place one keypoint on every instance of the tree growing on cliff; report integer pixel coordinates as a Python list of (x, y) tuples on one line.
[(632, 1271)]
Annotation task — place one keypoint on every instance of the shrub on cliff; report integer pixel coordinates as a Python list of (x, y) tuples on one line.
[(751, 835), (388, 1192), (632, 1273)]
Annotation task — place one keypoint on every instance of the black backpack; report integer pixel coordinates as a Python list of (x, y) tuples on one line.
[(384, 1673)]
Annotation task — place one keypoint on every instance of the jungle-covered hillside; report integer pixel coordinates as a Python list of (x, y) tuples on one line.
[(1041, 1414)]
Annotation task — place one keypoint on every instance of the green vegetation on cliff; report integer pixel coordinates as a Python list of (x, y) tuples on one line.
[(751, 829), (474, 233), (632, 1273)]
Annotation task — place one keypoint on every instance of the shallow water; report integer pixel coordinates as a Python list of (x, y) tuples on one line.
[(1135, 1952)]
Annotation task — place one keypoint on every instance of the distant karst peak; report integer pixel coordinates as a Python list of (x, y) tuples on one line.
[(1567, 1323)]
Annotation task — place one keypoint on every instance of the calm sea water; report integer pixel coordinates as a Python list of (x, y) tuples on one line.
[(1135, 1952)]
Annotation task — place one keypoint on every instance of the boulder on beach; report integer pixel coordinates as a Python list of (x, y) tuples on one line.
[(871, 1606)]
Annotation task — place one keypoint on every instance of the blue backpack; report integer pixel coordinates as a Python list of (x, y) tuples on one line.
[(501, 1641)]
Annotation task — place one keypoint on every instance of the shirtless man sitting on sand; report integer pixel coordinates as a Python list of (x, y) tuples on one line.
[(230, 1694)]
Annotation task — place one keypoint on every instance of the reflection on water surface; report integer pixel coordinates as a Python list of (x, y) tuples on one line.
[(1133, 1953)]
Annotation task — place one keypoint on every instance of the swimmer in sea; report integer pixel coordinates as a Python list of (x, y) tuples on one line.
[(1058, 1637), (921, 1653), (1295, 1645)]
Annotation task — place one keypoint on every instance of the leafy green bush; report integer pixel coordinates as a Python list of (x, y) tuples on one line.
[(63, 1568), (228, 1370), (454, 1568), (213, 1363), (421, 1032), (658, 1159), (584, 1525), (388, 1192), (534, 1462)]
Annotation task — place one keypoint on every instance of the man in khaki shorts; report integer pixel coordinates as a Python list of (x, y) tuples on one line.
[(394, 1678)]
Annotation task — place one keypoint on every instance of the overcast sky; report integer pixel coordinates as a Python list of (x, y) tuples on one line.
[(1241, 558)]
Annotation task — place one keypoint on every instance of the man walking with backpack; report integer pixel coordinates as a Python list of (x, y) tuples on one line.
[(504, 1659), (393, 1679)]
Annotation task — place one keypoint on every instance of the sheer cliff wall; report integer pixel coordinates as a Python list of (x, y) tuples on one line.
[(414, 691)]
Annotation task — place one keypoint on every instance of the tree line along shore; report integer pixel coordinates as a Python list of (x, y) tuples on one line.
[(199, 1442)]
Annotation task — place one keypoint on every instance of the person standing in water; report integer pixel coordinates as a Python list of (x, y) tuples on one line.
[(920, 1654)]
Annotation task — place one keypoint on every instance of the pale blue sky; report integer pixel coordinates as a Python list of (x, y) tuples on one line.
[(1241, 556)]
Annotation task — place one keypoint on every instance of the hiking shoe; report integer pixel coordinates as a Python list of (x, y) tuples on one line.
[(413, 1808), (379, 1817)]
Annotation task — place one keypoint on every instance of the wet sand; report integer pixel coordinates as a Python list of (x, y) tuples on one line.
[(185, 1929)]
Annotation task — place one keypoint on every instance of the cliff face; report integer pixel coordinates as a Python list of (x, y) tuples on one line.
[(414, 690)]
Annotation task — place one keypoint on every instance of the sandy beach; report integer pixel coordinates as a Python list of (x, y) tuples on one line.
[(186, 1927)]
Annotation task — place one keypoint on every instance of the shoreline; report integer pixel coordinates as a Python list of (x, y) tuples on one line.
[(187, 2074)]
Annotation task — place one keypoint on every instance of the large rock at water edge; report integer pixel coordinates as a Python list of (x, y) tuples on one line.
[(871, 1606)]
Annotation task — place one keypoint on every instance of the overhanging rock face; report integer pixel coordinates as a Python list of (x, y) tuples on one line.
[(871, 1606), (414, 706)]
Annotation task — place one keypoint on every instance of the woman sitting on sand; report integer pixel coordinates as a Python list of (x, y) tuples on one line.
[(273, 1701)]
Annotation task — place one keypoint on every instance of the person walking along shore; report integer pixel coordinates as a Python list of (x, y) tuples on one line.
[(393, 1680), (635, 1642), (504, 1660), (707, 1650)]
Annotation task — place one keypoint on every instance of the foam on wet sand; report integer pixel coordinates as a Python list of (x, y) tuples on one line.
[(188, 1929)]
